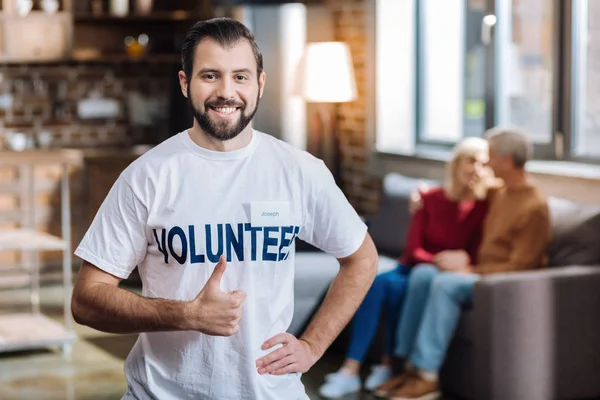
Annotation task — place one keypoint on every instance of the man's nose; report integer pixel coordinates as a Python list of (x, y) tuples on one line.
[(226, 89)]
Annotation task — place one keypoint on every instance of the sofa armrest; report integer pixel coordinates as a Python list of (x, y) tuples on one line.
[(536, 324), (560, 273)]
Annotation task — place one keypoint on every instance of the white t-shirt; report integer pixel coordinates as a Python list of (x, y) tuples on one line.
[(173, 211)]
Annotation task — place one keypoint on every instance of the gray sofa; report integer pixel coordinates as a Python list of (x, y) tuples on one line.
[(530, 335)]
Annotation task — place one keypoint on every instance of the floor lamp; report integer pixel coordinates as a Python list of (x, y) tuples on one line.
[(328, 77)]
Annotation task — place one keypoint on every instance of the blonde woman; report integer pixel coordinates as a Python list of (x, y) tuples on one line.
[(441, 232)]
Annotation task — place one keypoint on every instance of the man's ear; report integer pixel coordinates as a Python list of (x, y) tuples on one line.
[(261, 82), (183, 83)]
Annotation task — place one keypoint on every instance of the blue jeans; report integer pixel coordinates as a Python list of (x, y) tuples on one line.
[(388, 290), (431, 312)]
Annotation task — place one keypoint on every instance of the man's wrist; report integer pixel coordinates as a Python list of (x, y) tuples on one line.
[(185, 315), (314, 350)]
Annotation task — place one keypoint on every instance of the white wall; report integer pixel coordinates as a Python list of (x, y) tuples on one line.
[(280, 32)]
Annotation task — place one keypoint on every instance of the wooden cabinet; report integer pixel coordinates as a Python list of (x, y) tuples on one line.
[(34, 35), (38, 37)]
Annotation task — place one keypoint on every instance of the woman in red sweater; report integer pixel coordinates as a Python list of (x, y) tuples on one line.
[(449, 222)]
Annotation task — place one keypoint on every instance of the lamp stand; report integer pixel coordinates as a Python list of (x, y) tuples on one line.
[(328, 140)]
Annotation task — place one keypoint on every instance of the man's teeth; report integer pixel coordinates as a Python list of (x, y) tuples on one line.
[(227, 110)]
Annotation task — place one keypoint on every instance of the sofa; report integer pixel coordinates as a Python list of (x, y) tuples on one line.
[(531, 335)]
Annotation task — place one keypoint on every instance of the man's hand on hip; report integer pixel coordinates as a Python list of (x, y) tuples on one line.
[(213, 311), (295, 355)]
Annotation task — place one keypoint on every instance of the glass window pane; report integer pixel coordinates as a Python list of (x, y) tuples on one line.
[(525, 66), (395, 75), (586, 78), (452, 64)]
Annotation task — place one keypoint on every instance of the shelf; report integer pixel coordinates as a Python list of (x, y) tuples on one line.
[(15, 280), (32, 14), (23, 331), (28, 331), (39, 157), (168, 16), (10, 216), (122, 57), (28, 239), (16, 189), (18, 277)]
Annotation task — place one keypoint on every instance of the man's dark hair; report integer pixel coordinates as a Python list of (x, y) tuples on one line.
[(226, 32)]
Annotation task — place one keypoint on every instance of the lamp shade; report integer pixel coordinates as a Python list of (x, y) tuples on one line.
[(328, 73)]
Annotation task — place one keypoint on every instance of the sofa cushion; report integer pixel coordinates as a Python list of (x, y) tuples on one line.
[(575, 233)]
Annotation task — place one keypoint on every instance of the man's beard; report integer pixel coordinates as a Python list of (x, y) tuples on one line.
[(222, 130)]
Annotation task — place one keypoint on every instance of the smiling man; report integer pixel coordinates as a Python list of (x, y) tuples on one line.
[(209, 217)]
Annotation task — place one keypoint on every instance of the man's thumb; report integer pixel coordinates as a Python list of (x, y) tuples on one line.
[(238, 295), (217, 275)]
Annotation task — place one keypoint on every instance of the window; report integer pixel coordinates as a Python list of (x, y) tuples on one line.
[(526, 58), (451, 69), (533, 64), (586, 78)]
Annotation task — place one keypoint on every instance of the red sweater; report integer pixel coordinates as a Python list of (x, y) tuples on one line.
[(443, 224)]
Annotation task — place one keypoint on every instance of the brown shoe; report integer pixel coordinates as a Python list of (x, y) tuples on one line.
[(383, 390), (417, 388)]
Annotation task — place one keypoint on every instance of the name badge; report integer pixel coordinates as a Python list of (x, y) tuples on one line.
[(270, 213)]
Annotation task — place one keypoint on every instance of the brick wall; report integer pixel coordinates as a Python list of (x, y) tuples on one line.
[(361, 189), (44, 98)]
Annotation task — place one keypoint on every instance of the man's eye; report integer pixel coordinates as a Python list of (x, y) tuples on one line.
[(209, 76), (242, 77)]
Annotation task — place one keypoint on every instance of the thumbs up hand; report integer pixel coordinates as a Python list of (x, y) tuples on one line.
[(213, 311)]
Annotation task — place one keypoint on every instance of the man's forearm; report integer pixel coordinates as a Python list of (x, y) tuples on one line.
[(345, 294), (111, 309)]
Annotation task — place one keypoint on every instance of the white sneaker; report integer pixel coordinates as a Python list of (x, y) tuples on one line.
[(339, 384), (379, 374), (330, 375)]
